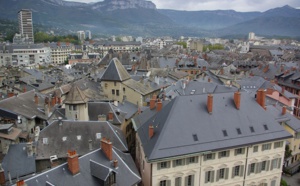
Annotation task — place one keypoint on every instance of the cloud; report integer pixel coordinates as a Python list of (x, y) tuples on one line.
[(238, 5)]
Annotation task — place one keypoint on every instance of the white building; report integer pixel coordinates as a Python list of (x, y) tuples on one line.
[(88, 34), (25, 24), (27, 55), (81, 35), (224, 139), (251, 36), (60, 52)]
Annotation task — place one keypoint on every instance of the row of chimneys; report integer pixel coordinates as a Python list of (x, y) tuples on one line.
[(106, 146), (54, 100), (155, 102), (103, 117)]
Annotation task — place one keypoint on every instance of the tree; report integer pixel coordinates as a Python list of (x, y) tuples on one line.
[(288, 152), (182, 43)]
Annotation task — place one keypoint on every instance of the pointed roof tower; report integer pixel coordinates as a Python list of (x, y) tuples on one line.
[(115, 72), (76, 96)]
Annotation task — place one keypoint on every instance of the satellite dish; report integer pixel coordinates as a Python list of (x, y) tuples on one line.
[(148, 74)]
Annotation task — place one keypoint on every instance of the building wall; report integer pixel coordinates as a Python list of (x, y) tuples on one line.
[(294, 144), (198, 169), (60, 54), (81, 112)]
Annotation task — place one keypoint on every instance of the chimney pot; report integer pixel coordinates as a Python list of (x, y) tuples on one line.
[(283, 110), (261, 97), (209, 103), (282, 90), (36, 99), (110, 116), (151, 131), (158, 106), (237, 100), (21, 183), (53, 101), (2, 176), (152, 103), (73, 162), (208, 80), (115, 163), (106, 146)]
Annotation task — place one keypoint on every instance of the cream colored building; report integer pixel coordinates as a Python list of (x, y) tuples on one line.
[(225, 139), (60, 52)]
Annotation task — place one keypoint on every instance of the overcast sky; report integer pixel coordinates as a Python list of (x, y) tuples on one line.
[(238, 5)]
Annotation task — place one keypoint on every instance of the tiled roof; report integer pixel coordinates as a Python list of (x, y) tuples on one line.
[(115, 72)]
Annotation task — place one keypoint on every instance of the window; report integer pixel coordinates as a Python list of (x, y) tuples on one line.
[(252, 129), (189, 181), (72, 107), (123, 89), (209, 176), (238, 171), (178, 162), (238, 130), (263, 165), (266, 147), (251, 168), (113, 91), (117, 92), (195, 137), (276, 163), (163, 165), (255, 148), (239, 151), (163, 183), (210, 156), (64, 138), (223, 154), (224, 133), (98, 135), (45, 140), (278, 144), (266, 127), (115, 83), (273, 183), (222, 173), (178, 181), (192, 160)]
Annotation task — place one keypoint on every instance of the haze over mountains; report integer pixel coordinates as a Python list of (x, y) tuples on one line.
[(139, 17)]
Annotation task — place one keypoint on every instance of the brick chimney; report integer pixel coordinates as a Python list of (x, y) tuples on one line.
[(208, 79), (10, 94), (2, 176), (24, 89), (115, 163), (222, 71), (158, 106), (209, 103), (36, 99), (237, 99), (58, 100), (283, 110), (21, 183), (53, 101), (152, 102), (106, 146), (110, 116), (73, 162), (261, 98), (151, 131), (282, 90)]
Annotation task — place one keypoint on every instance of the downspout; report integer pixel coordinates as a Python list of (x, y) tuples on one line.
[(245, 169)]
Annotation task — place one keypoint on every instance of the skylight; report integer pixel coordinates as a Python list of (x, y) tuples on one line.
[(252, 129), (64, 138), (195, 137), (98, 135), (238, 130), (45, 140), (266, 127), (224, 133), (78, 137)]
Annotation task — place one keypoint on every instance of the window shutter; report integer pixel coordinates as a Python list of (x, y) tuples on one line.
[(242, 170), (196, 159), (249, 169), (267, 165), (186, 180), (258, 167), (272, 163), (183, 161), (158, 166), (235, 152), (219, 155), (206, 176), (204, 157), (187, 160), (227, 153), (226, 173), (168, 182), (213, 156), (168, 164), (243, 150), (193, 180), (218, 174), (232, 173), (279, 163), (212, 176), (174, 163)]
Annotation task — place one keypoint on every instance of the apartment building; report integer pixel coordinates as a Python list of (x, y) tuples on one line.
[(221, 139), (60, 52), (25, 24)]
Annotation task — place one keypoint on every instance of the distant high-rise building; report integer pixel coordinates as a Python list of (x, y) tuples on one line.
[(25, 24), (81, 35), (251, 36), (88, 34)]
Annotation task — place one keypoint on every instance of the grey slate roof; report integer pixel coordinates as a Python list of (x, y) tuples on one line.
[(71, 130), (185, 116), (126, 172), (17, 162), (140, 87), (115, 72)]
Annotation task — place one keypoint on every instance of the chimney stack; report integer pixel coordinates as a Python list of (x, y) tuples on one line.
[(101, 117), (29, 149), (36, 99), (151, 131), (21, 183), (10, 94), (208, 79), (24, 89), (73, 162), (152, 102), (110, 116), (158, 106), (261, 98), (53, 101), (209, 103), (106, 146), (237, 99), (222, 71), (283, 110), (282, 90), (2, 176), (115, 163)]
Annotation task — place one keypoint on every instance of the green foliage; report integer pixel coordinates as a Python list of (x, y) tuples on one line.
[(67, 61), (213, 47), (182, 43), (288, 152), (118, 39), (41, 37), (283, 183)]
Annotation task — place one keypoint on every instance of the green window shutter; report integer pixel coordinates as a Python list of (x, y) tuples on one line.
[(183, 161), (235, 152), (226, 173), (186, 180), (158, 166), (168, 182), (267, 165), (204, 157), (243, 150), (168, 164), (232, 173), (272, 163), (193, 177), (212, 176), (206, 177), (196, 159), (213, 156), (228, 153), (242, 170), (187, 161), (219, 155), (218, 174), (279, 163), (174, 163), (249, 169)]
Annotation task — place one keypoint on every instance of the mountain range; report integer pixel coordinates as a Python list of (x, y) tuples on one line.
[(140, 17)]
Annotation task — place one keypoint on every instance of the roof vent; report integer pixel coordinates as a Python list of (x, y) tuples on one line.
[(224, 133), (195, 137)]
